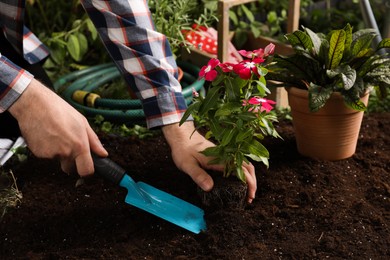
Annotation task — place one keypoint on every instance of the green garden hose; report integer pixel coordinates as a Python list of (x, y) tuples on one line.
[(128, 111)]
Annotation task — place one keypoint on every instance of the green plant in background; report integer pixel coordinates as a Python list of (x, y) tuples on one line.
[(325, 15), (377, 104), (342, 61), (65, 28), (261, 18), (122, 130)]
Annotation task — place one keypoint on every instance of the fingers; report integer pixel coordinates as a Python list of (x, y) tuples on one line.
[(249, 171), (68, 166), (200, 177), (95, 144), (82, 163)]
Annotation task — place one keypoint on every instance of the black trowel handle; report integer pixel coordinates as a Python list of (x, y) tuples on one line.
[(108, 169)]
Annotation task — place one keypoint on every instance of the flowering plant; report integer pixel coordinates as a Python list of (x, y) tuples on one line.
[(234, 110)]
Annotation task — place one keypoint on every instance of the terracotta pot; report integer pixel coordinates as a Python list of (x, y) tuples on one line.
[(328, 134)]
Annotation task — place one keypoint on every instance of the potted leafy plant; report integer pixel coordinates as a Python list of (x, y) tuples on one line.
[(326, 77), (234, 112)]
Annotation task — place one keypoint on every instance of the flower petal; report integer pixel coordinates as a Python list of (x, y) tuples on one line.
[(211, 75)]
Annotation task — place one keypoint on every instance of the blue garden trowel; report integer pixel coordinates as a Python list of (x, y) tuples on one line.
[(152, 200)]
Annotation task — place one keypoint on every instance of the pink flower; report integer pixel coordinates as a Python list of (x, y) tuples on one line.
[(227, 66), (266, 104), (245, 68), (259, 53), (208, 72), (269, 49)]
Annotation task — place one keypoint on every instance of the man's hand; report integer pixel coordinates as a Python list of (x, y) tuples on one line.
[(186, 146), (54, 129)]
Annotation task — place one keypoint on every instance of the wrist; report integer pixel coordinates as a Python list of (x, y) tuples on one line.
[(26, 99), (175, 132)]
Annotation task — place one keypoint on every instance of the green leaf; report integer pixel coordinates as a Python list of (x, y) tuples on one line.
[(244, 134), (300, 39), (216, 129), (212, 151), (73, 47), (345, 73), (193, 108), (315, 40), (233, 17), (92, 29), (353, 100), (255, 30), (83, 44), (259, 159), (228, 108), (57, 53), (318, 96), (299, 67), (258, 149), (227, 136), (240, 174), (248, 13), (238, 83), (247, 116), (362, 45), (336, 48), (210, 100), (385, 43), (348, 40)]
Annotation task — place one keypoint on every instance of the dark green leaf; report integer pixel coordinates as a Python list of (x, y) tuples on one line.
[(315, 40), (244, 134), (300, 39), (216, 129), (247, 116), (228, 108), (345, 73), (353, 100), (348, 40), (362, 45), (318, 96), (258, 149), (375, 63), (227, 136), (385, 43), (210, 100), (193, 108)]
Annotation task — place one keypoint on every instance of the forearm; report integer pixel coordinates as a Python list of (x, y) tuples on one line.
[(175, 133), (13, 82), (142, 55)]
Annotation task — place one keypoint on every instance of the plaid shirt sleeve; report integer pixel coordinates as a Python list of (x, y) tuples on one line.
[(13, 81), (142, 55)]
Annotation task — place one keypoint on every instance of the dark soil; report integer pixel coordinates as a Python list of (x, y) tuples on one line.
[(305, 209)]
